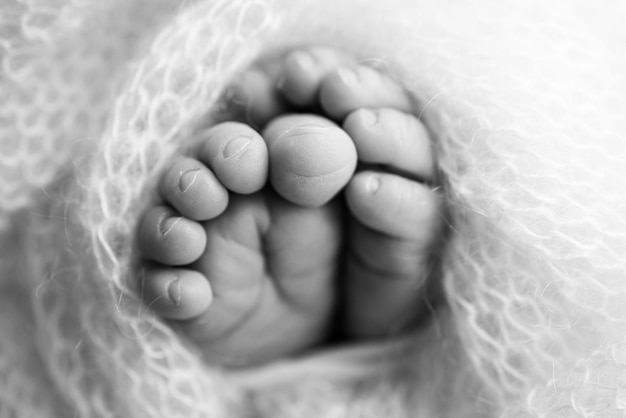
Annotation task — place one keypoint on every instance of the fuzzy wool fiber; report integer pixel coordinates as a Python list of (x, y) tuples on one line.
[(526, 103)]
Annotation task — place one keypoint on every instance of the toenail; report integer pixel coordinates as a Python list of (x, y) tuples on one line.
[(280, 83), (368, 117), (302, 60), (236, 146), (168, 223), (348, 76), (373, 183), (187, 179), (235, 95), (173, 291)]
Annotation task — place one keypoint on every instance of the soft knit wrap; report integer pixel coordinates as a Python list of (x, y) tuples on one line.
[(526, 103)]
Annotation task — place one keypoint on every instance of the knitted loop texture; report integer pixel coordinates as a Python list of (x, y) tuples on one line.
[(526, 103)]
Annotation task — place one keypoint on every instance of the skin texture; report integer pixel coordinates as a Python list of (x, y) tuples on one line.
[(265, 243), (312, 158)]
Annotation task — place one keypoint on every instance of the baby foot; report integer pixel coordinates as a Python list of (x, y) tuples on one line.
[(396, 221), (247, 274), (232, 289), (396, 211)]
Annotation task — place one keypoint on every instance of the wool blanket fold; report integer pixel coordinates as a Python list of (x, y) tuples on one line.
[(526, 103)]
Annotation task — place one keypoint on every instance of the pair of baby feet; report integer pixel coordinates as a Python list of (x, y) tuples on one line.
[(322, 227)]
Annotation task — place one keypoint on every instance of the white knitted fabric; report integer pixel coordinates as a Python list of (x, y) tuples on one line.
[(527, 105)]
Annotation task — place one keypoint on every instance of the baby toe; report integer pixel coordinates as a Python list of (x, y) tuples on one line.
[(253, 97), (349, 88), (304, 70), (238, 156), (311, 158), (395, 206), (394, 139), (195, 192), (175, 293), (169, 238)]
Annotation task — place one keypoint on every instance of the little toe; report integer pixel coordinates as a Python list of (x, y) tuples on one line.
[(396, 231), (311, 158), (349, 88), (304, 70), (169, 238), (175, 293), (394, 205), (237, 155), (394, 139), (195, 192), (253, 97)]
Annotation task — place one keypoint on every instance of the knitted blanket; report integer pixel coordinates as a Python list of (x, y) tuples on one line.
[(526, 102)]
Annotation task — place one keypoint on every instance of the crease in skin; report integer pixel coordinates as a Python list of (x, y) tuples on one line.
[(308, 176), (416, 279), (173, 291), (306, 128), (187, 179), (166, 224), (244, 316), (428, 180)]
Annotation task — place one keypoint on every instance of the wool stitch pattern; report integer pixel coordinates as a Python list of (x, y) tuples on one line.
[(525, 102)]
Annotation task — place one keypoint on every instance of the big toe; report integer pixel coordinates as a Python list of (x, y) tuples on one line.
[(311, 158)]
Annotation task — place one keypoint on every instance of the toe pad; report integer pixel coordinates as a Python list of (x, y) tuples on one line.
[(311, 159)]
